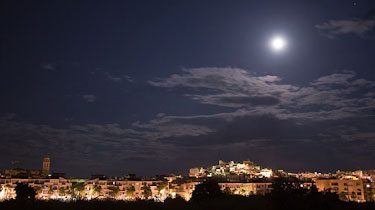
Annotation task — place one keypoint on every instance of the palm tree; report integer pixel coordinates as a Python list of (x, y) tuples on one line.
[(50, 191), (114, 192), (5, 192), (78, 189), (8, 189), (343, 197), (227, 191), (62, 191), (130, 190), (38, 190), (243, 192), (146, 191), (161, 186), (97, 190)]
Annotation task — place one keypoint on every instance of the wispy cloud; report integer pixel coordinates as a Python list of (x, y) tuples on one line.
[(128, 78), (363, 28), (121, 78), (89, 98), (49, 66)]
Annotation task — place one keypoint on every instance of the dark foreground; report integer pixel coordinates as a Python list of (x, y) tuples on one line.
[(222, 203)]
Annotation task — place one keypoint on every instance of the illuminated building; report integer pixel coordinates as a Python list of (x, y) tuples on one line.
[(226, 169), (369, 191), (348, 190), (45, 188), (246, 189)]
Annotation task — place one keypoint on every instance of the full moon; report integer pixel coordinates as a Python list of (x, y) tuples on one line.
[(278, 43)]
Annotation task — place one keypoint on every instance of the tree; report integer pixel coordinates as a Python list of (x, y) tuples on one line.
[(177, 203), (161, 186), (243, 192), (130, 190), (146, 191), (207, 190), (24, 192), (6, 192), (287, 187), (227, 191), (62, 191), (37, 189), (50, 191), (78, 189), (287, 193), (343, 197), (115, 191), (97, 190)]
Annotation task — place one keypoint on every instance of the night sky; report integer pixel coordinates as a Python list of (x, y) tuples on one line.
[(158, 87)]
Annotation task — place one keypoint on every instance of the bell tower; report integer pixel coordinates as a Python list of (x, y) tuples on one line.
[(46, 166)]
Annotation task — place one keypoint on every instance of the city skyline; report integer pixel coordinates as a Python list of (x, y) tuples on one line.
[(158, 87), (232, 178)]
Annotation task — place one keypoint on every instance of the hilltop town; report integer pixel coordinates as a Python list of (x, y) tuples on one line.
[(244, 179)]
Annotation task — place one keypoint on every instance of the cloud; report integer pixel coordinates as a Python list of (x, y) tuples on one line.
[(274, 123), (335, 79), (128, 78), (291, 119), (160, 114), (331, 97), (91, 145), (236, 100), (89, 98), (118, 78), (49, 66), (363, 28), (234, 87)]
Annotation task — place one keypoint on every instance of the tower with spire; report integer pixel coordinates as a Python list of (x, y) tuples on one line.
[(46, 166)]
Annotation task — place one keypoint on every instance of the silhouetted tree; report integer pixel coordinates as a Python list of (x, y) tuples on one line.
[(228, 191), (177, 203), (207, 190), (37, 189), (287, 186), (24, 192)]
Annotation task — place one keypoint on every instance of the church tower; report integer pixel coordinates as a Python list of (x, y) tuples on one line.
[(46, 166)]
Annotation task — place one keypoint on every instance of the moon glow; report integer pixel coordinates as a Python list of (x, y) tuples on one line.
[(278, 43)]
